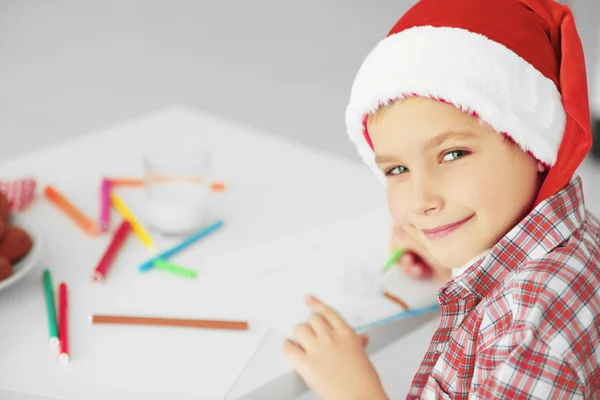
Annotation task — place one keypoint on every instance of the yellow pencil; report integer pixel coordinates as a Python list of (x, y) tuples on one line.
[(137, 227)]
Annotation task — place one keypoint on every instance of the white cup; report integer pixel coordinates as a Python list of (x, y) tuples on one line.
[(177, 185)]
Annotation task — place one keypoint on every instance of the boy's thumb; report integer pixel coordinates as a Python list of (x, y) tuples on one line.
[(364, 339)]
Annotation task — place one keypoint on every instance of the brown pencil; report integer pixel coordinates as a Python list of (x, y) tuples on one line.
[(396, 300), (189, 323)]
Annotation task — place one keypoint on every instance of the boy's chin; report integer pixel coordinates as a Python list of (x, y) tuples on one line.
[(454, 257)]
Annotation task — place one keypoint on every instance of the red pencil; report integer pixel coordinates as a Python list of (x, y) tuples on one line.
[(111, 251), (63, 327)]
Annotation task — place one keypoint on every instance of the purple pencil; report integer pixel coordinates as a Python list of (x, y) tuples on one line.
[(105, 205)]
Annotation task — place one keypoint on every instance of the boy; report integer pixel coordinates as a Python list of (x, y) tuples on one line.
[(475, 113), (596, 96)]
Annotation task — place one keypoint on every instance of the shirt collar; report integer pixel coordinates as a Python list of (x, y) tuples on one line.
[(457, 271), (548, 225)]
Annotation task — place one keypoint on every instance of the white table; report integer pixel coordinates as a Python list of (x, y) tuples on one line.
[(274, 188)]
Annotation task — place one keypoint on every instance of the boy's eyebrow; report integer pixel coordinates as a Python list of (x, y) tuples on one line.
[(384, 158), (429, 144), (443, 137)]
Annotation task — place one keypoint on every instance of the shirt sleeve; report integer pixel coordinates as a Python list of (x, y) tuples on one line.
[(528, 370)]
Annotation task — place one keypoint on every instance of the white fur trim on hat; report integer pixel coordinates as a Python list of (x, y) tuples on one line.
[(468, 70)]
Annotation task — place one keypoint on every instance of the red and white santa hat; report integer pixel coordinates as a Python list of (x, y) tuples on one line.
[(518, 65)]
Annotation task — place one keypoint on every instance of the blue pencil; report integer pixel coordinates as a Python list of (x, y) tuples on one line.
[(190, 240), (404, 314)]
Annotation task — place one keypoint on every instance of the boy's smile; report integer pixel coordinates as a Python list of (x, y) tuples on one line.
[(453, 182), (442, 231)]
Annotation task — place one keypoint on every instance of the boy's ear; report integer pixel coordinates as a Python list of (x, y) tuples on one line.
[(541, 167)]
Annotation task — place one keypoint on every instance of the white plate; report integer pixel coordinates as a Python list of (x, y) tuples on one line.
[(26, 264)]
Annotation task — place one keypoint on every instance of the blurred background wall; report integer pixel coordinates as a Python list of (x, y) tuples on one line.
[(286, 66)]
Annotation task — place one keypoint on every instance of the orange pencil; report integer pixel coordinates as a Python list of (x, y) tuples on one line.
[(215, 186), (126, 182), (60, 201)]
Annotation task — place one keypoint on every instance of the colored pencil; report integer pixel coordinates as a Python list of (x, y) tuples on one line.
[(187, 323), (105, 187), (60, 201), (403, 314), (174, 269), (126, 182), (185, 243), (215, 186), (63, 323), (392, 260), (137, 227), (50, 308), (113, 248), (396, 300)]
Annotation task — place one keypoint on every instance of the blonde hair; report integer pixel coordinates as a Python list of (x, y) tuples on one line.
[(380, 112), (377, 115)]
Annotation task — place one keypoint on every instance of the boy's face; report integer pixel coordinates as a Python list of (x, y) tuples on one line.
[(454, 183)]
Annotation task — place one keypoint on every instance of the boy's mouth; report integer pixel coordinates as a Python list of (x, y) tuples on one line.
[(444, 230)]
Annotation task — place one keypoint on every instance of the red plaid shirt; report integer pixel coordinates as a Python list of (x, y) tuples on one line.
[(523, 322)]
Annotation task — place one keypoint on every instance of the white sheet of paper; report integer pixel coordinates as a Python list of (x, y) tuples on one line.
[(339, 264)]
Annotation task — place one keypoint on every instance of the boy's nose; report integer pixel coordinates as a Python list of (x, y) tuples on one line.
[(425, 197)]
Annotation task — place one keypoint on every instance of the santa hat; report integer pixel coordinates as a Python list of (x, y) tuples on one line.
[(518, 65)]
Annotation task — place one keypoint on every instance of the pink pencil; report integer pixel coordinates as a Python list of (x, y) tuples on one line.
[(105, 187), (111, 251)]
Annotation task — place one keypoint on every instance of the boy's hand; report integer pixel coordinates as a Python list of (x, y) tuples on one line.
[(416, 260), (331, 359)]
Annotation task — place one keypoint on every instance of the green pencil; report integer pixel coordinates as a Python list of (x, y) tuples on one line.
[(50, 308), (394, 257), (175, 269)]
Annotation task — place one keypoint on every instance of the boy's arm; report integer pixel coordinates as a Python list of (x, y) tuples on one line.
[(530, 370)]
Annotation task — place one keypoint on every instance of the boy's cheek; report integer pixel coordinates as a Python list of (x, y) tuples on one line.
[(398, 207)]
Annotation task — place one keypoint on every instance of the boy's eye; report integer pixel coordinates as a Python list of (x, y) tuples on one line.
[(396, 170), (454, 155)]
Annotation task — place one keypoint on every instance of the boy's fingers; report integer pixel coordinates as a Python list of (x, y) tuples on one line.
[(327, 312), (295, 355), (293, 349), (319, 324), (415, 266), (407, 258), (426, 270), (419, 271), (411, 262), (304, 336)]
